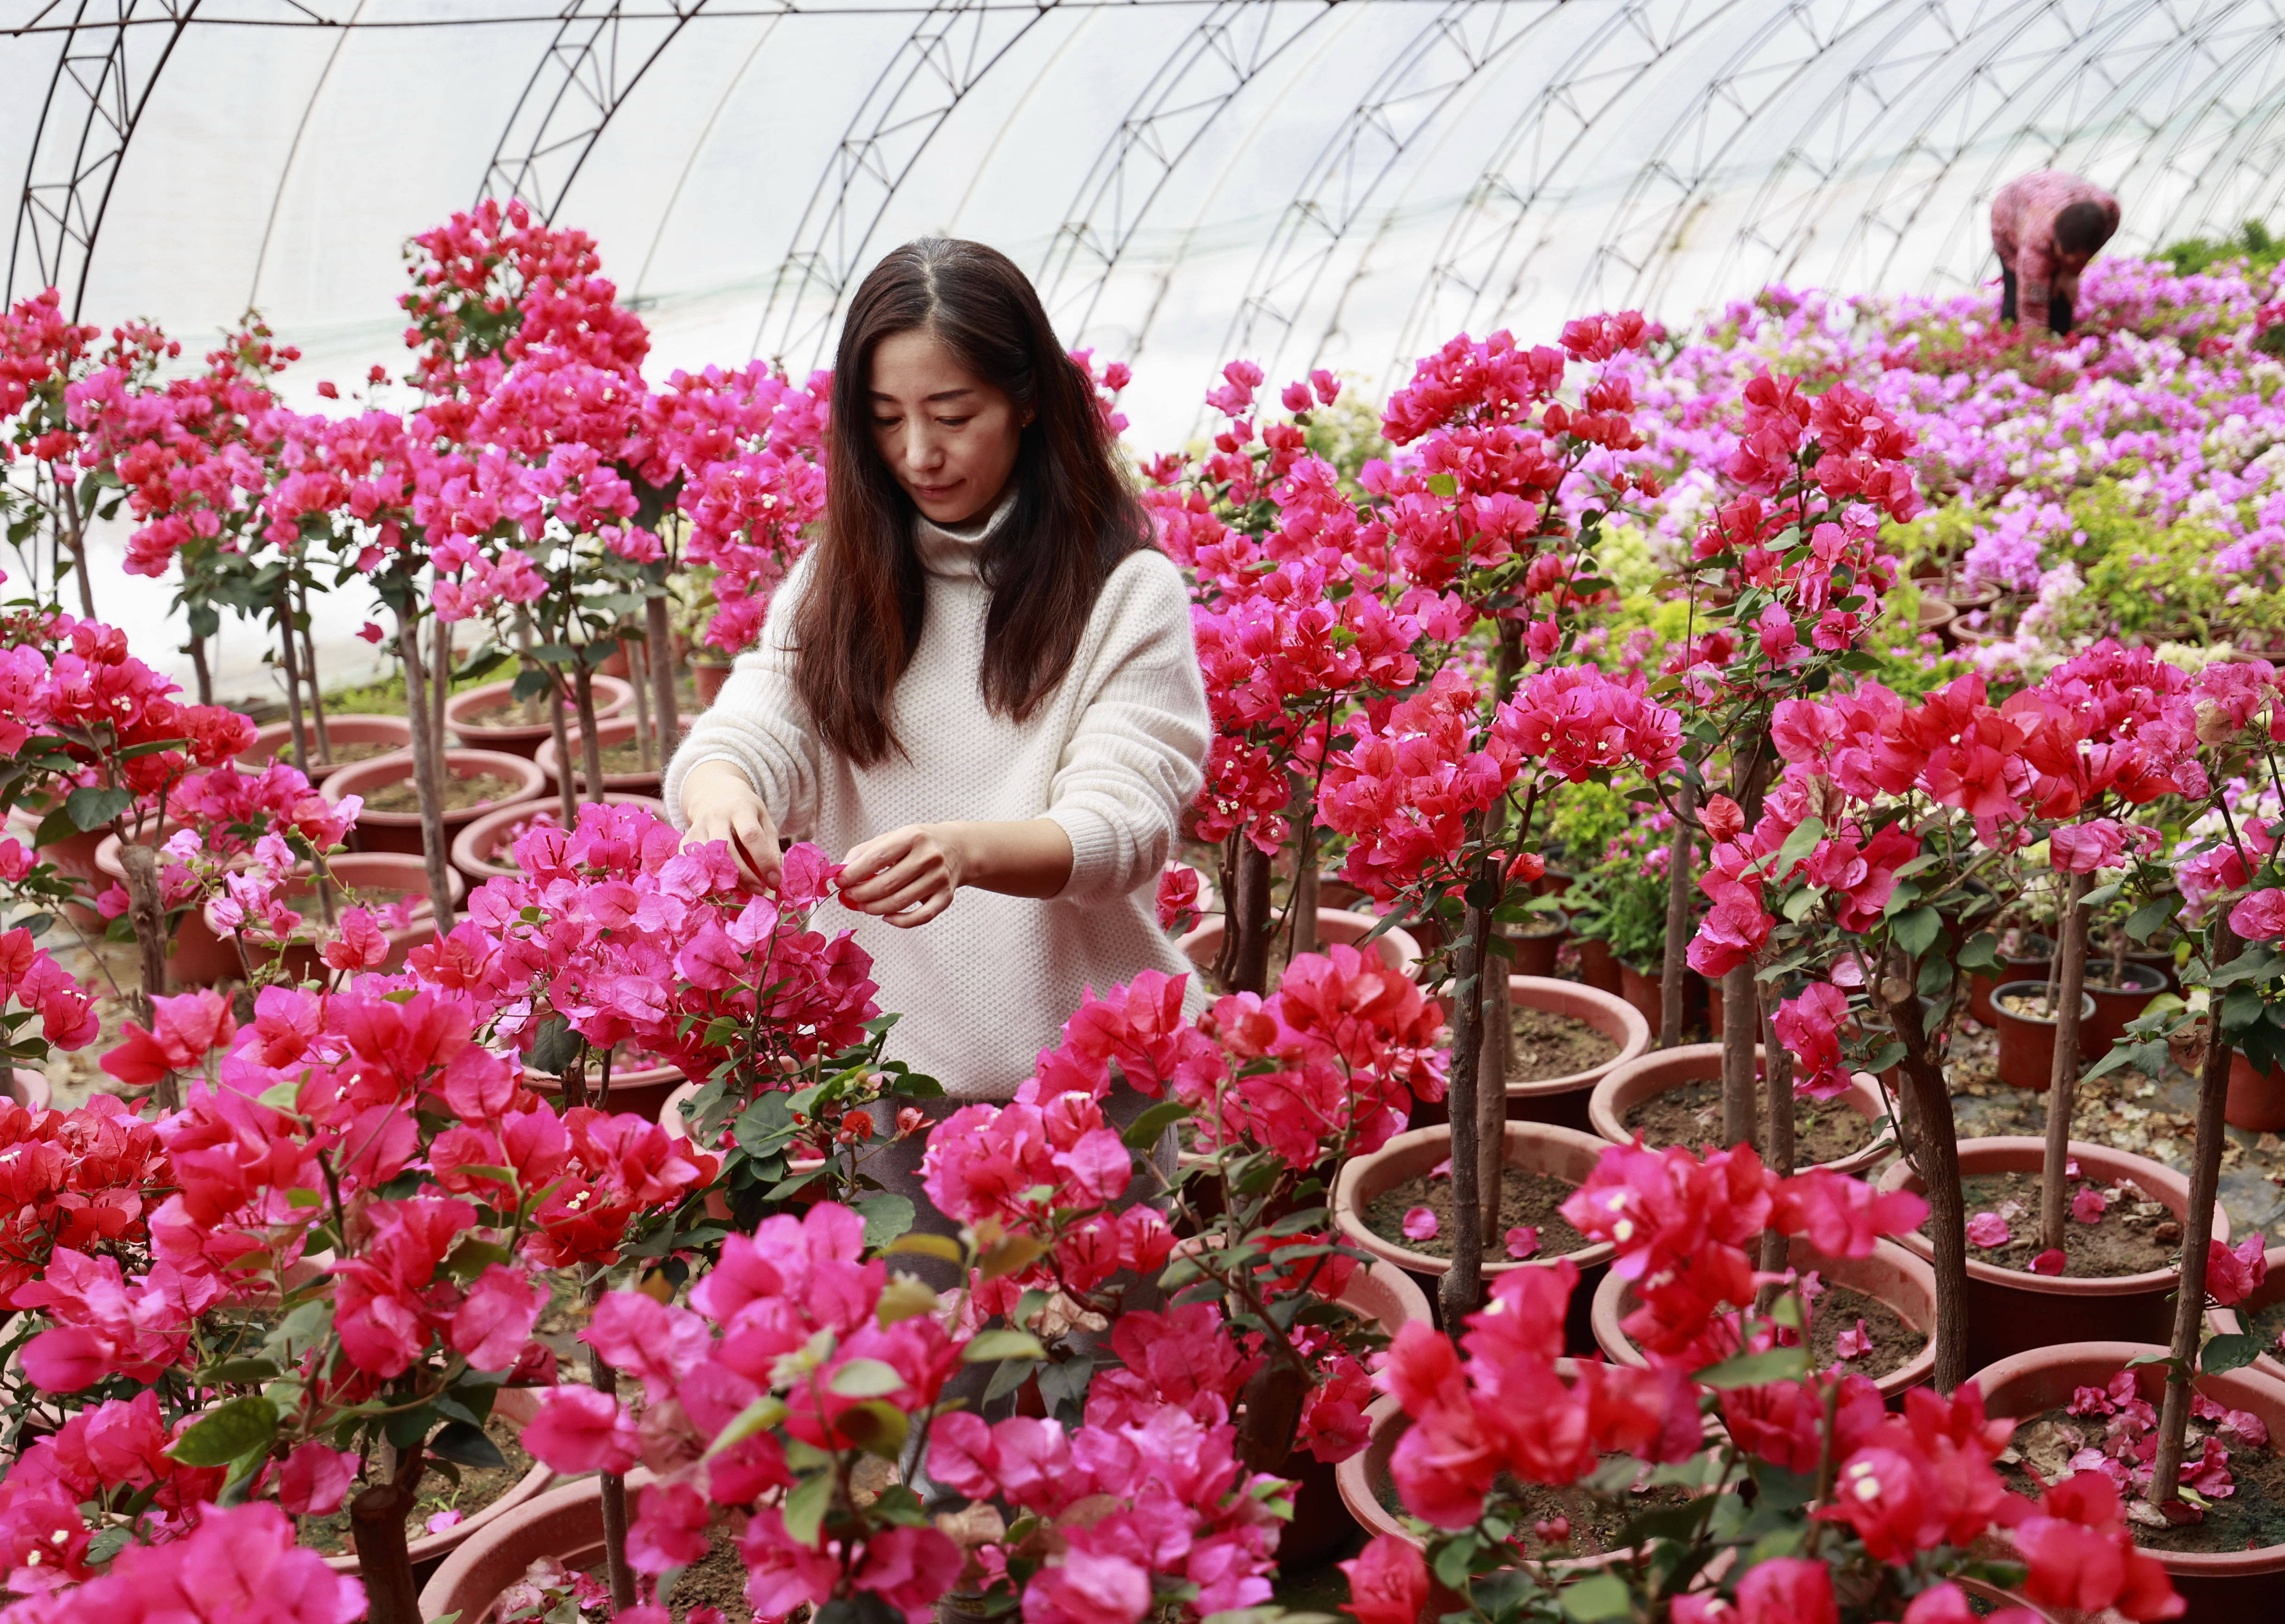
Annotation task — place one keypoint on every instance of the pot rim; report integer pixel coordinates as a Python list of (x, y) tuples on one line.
[(1348, 1220), (1634, 1034), (1865, 1096), (2237, 1385), (2172, 1189), (523, 1492), (381, 769), (464, 1557), (1209, 931), (608, 731), (620, 692), (2086, 1003)]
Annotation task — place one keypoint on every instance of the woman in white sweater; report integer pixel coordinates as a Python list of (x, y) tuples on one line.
[(977, 688)]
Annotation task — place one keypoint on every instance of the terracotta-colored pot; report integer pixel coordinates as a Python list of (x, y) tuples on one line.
[(1935, 615), (1535, 952), (2256, 1098), (1538, 1146), (196, 957), (400, 831), (2032, 966), (708, 676), (2219, 1584), (519, 1405), (1645, 994), (644, 1091), (464, 715), (1625, 1086), (275, 743), (2114, 1007), (2229, 1321), (1396, 945), (1563, 1099), (378, 874), (619, 729), (480, 849), (565, 1523), (2027, 1042), (1891, 1276), (29, 1088), (1598, 967), (2011, 1311)]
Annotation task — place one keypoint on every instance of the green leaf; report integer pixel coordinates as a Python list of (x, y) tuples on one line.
[(228, 1431), (758, 1416), (887, 1215), (866, 1378), (1443, 484), (92, 809), (556, 1047), (2232, 1351), (238, 1371), (1143, 1132), (2143, 922), (466, 1445), (877, 1427), (2103, 894), (1002, 1345), (1779, 1364), (805, 1507), (106, 1545), (928, 1246), (56, 825), (1601, 1595), (1453, 1562), (1798, 845), (1916, 930), (1981, 952)]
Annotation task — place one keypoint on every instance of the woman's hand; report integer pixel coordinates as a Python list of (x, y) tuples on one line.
[(909, 876), (722, 806)]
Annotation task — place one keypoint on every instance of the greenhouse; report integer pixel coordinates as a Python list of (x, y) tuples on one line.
[(1143, 812)]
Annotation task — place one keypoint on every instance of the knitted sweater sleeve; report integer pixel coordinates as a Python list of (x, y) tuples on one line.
[(758, 723), (1135, 757)]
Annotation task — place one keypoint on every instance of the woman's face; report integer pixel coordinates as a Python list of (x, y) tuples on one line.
[(949, 437)]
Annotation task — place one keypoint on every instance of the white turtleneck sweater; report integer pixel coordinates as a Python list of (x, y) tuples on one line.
[(1114, 755)]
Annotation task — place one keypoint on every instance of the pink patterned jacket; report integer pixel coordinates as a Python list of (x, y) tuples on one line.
[(2023, 231)]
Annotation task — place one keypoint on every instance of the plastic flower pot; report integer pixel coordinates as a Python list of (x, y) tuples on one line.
[(1598, 967), (518, 1405), (491, 718), (2011, 1311), (1890, 1276), (1536, 950), (2219, 1584), (1563, 1099), (30, 1089), (1628, 1085), (275, 743), (196, 957), (2032, 966), (1645, 994), (2229, 1321), (1397, 947), (1538, 1146), (708, 676), (2027, 1042), (2114, 1007), (643, 1091), (376, 878), (400, 831), (2256, 1098), (617, 731), (565, 1523), (1935, 615), (481, 849)]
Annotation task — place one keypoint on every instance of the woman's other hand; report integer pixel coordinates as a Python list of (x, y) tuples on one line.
[(909, 876), (721, 804)]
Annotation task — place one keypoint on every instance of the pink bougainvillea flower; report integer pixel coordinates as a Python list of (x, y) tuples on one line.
[(1522, 1241), (1388, 1581), (2231, 1276), (1420, 1224), (1853, 1342), (2089, 1204), (580, 1430), (2050, 1262), (1987, 1229)]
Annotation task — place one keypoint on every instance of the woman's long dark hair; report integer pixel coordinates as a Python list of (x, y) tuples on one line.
[(1075, 519)]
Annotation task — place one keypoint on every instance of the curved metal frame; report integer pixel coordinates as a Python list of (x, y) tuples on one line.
[(94, 101), (576, 87)]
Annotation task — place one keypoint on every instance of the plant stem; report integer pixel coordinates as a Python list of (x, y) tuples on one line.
[(428, 772), (591, 748), (1675, 967), (146, 908), (660, 635), (201, 675), (1777, 1146), (442, 652), (286, 649), (2063, 1080), (606, 1381), (310, 676), (78, 533), (639, 679), (377, 1526), (2197, 1234), (566, 792), (1246, 919), (1932, 1140), (1742, 1020), (1457, 1291)]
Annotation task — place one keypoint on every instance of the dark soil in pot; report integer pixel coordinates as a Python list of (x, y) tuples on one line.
[(2266, 1323), (1838, 1308), (461, 794), (716, 1580), (1824, 1130), (342, 754), (2126, 1240), (1526, 1197), (626, 758), (478, 1487), (1595, 1524), (1548, 1045), (2251, 1517)]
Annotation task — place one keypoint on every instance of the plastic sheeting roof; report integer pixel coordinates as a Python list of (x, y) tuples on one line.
[(1302, 182)]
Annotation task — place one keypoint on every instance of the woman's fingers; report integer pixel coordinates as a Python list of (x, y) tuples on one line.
[(919, 890), (928, 908), (755, 844)]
